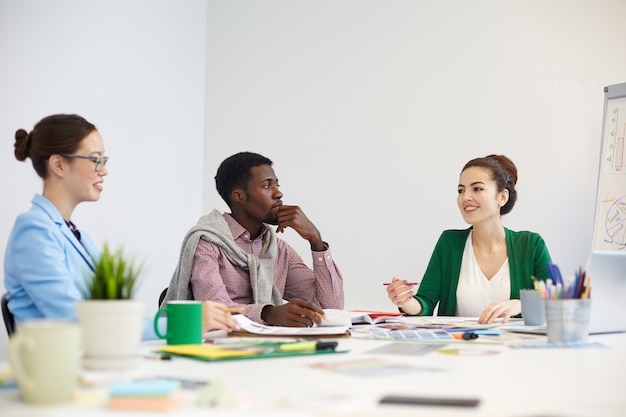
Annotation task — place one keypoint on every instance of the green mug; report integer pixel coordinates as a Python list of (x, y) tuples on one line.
[(184, 322)]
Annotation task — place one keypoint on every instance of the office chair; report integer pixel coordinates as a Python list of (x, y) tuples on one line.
[(9, 320), (162, 296)]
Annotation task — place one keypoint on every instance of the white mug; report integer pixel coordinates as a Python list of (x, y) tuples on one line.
[(45, 357)]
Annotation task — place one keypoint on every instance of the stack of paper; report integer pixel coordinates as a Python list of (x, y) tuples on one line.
[(148, 395)]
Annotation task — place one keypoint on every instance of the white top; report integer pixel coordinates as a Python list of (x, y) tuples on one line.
[(475, 292)]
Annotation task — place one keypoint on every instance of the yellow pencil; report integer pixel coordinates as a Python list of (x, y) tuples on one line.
[(234, 310), (320, 315)]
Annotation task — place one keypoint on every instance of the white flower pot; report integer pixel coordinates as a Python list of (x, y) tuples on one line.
[(111, 333)]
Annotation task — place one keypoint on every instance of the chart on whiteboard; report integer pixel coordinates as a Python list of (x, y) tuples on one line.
[(614, 142), (611, 205)]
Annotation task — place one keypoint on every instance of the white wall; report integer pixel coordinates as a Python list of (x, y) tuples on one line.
[(369, 110), (136, 70)]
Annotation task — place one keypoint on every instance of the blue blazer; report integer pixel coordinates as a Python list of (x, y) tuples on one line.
[(45, 265)]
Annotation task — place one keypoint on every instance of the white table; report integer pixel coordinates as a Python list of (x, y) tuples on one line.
[(509, 382)]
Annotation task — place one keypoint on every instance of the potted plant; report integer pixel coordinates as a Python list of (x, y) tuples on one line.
[(111, 320)]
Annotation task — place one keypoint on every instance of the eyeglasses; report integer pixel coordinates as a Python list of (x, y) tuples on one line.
[(100, 161)]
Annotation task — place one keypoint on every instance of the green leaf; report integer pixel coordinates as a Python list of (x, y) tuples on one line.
[(115, 276)]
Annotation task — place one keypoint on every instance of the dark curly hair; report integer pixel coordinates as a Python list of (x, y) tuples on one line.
[(235, 172), (503, 172)]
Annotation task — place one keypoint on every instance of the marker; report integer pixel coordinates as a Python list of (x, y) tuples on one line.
[(307, 346), (158, 357), (587, 289), (470, 336), (543, 289), (464, 335)]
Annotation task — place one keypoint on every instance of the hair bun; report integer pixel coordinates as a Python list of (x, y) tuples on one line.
[(22, 144)]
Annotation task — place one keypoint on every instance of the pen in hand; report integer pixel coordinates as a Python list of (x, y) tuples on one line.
[(406, 283), (321, 316), (234, 310)]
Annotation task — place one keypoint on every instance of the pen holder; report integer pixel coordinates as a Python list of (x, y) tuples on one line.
[(567, 320)]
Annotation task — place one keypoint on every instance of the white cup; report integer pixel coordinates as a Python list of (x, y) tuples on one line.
[(44, 355)]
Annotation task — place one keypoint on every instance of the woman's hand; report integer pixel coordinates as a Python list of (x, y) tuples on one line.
[(400, 292), (215, 316), (501, 309)]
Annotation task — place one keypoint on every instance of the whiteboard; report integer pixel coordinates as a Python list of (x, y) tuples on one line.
[(610, 218)]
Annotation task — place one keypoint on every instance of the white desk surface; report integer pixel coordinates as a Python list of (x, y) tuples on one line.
[(509, 382)]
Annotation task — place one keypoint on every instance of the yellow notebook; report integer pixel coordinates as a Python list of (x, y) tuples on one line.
[(207, 352), (213, 353)]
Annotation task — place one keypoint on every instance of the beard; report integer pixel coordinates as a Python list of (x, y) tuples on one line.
[(271, 218)]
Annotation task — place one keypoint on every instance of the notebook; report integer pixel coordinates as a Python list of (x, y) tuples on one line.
[(336, 317), (608, 289)]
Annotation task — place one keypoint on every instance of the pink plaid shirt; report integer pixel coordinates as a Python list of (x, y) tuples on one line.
[(213, 277)]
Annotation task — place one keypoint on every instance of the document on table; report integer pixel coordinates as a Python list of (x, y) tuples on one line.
[(250, 326)]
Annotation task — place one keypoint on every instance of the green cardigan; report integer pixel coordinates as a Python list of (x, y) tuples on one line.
[(527, 252)]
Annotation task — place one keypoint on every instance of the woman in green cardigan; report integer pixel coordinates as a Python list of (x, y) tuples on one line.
[(479, 271)]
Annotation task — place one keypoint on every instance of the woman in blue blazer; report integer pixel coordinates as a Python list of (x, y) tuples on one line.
[(47, 258)]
